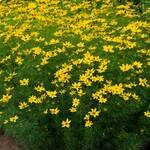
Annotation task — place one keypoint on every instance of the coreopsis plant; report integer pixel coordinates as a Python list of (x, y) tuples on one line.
[(74, 74)]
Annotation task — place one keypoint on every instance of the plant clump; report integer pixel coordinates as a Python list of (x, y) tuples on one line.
[(75, 74)]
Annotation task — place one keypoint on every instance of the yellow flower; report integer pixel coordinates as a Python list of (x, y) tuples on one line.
[(9, 89), (45, 111), (142, 82), (54, 111), (67, 44), (87, 117), (76, 86), (97, 78), (72, 93), (66, 124), (44, 61), (6, 98), (6, 121), (136, 97), (19, 60), (139, 71), (10, 77), (1, 71), (5, 59), (81, 45), (126, 96), (73, 109), (75, 102), (40, 39), (26, 38), (102, 99), (34, 34), (103, 66), (37, 50), (13, 119), (108, 48), (126, 67), (53, 41), (32, 99), (39, 88), (51, 94), (92, 48), (14, 49), (24, 82), (88, 123), (23, 105), (62, 91), (62, 76), (147, 114), (58, 33), (27, 52), (81, 93), (94, 112), (88, 58), (137, 64), (116, 89)]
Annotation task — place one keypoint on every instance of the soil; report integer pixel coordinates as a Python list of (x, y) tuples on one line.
[(8, 143)]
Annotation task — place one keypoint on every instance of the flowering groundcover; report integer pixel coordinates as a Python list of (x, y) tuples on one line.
[(75, 74)]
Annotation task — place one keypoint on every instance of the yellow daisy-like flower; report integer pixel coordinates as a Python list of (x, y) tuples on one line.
[(81, 45), (87, 117), (54, 111), (6, 121), (32, 99), (147, 114), (73, 109), (102, 100), (52, 94), (76, 86), (81, 93), (37, 50), (67, 44), (53, 41), (66, 123), (39, 88), (13, 119), (94, 112), (108, 48), (19, 60), (142, 82), (88, 123), (137, 64), (126, 67), (75, 102), (24, 82), (6, 98), (45, 111), (23, 105)]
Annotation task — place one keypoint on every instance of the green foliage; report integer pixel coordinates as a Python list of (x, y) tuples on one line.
[(53, 53)]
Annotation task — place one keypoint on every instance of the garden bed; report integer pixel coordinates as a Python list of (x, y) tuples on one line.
[(74, 74)]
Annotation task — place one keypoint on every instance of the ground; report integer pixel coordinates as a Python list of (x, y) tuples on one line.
[(7, 143)]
